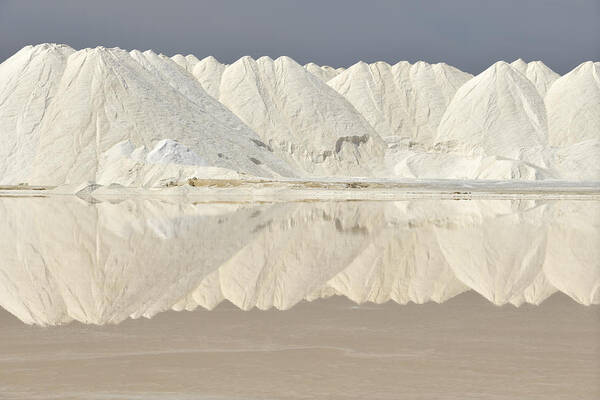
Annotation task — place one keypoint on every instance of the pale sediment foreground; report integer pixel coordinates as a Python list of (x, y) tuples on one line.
[(464, 348)]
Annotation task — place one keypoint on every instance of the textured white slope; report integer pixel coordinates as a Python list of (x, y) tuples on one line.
[(27, 85), (168, 151), (406, 101), (541, 76), (208, 72), (169, 162), (538, 73), (100, 97), (520, 65), (301, 118), (186, 62), (68, 117), (577, 162), (494, 128), (325, 73), (455, 166), (573, 105), (497, 113)]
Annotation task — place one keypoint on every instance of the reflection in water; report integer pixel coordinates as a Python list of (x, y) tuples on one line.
[(65, 259)]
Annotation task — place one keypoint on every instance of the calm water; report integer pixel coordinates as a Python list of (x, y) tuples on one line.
[(420, 299)]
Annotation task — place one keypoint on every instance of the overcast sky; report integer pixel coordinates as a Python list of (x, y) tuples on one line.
[(469, 34)]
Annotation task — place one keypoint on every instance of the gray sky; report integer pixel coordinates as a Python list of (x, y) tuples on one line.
[(469, 34)]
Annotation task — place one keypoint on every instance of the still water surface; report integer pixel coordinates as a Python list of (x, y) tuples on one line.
[(412, 299)]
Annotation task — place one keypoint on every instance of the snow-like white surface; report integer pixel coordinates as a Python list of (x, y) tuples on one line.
[(538, 73), (403, 100), (324, 72), (573, 105), (61, 110), (187, 62), (109, 261), (302, 119), (208, 72), (103, 115), (169, 151), (28, 83), (499, 112)]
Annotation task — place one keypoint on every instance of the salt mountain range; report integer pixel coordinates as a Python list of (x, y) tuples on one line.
[(141, 118)]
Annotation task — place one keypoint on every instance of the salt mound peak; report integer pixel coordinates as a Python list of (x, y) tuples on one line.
[(541, 76), (28, 83), (209, 72), (324, 72), (573, 105), (113, 95), (64, 114), (538, 73), (520, 65), (499, 112), (403, 101), (186, 62), (302, 119)]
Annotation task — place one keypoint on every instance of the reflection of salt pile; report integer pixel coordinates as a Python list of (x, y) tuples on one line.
[(572, 254), (111, 261), (484, 248)]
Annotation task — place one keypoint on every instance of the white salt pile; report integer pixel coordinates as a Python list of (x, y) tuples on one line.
[(62, 112), (169, 151), (573, 105), (324, 72), (406, 101), (538, 73), (303, 120)]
